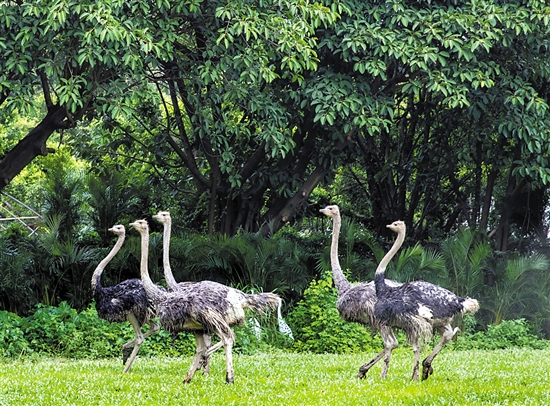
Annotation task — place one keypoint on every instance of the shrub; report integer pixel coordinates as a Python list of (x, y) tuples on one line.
[(12, 339), (318, 327), (507, 334), (62, 331)]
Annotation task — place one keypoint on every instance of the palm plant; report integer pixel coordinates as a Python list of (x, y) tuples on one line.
[(111, 202), (274, 264), (62, 195), (465, 262), (521, 289), (63, 265), (247, 261), (418, 263), (17, 283)]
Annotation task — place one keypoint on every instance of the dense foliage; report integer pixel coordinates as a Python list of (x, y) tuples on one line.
[(434, 112), (318, 327), (55, 263), (63, 331), (243, 118)]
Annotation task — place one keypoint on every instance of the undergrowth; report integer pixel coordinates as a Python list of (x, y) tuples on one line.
[(62, 331), (317, 327)]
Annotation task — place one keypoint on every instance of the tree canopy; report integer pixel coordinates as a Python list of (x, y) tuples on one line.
[(436, 111)]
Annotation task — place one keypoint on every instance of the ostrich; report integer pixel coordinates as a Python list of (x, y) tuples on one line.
[(203, 308), (125, 301), (165, 219), (418, 308), (356, 301)]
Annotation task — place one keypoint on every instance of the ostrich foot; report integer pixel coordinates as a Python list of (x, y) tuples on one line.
[(126, 352), (206, 365), (362, 372), (187, 379), (427, 370)]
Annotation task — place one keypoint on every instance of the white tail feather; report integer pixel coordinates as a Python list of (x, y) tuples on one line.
[(470, 306)]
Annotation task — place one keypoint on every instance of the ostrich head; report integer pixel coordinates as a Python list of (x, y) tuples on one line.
[(118, 229), (140, 225), (163, 217), (330, 211), (397, 226)]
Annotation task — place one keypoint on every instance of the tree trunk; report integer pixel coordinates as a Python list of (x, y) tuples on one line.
[(33, 145), (512, 191), (276, 220)]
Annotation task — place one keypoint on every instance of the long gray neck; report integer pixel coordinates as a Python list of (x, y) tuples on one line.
[(379, 275), (153, 291), (170, 281), (96, 276), (338, 276)]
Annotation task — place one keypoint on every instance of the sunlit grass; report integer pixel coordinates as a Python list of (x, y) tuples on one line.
[(511, 377)]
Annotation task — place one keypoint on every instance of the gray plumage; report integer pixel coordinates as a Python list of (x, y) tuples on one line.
[(165, 219), (356, 301), (204, 307), (125, 301), (417, 308)]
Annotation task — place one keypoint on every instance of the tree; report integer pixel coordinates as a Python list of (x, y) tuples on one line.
[(450, 102), (250, 105), (104, 58)]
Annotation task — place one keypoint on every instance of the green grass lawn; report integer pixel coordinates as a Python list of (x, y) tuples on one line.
[(504, 377)]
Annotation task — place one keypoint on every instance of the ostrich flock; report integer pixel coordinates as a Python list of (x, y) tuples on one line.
[(209, 308)]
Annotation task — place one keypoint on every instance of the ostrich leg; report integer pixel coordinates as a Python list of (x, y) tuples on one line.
[(206, 358), (390, 343), (228, 345), (199, 357), (447, 335), (154, 328), (417, 349), (137, 341)]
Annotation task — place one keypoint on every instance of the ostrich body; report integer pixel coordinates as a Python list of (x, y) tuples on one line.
[(203, 308), (166, 220), (125, 301), (356, 301), (418, 308)]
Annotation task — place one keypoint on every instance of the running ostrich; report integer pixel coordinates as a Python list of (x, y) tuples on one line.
[(418, 308), (165, 219), (125, 301), (204, 308), (356, 301)]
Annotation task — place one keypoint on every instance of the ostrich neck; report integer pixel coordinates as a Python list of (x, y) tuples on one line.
[(170, 281), (96, 276), (153, 291), (379, 276), (340, 280)]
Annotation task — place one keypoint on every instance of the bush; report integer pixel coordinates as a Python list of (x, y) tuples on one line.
[(318, 327), (12, 338), (62, 331), (507, 334)]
